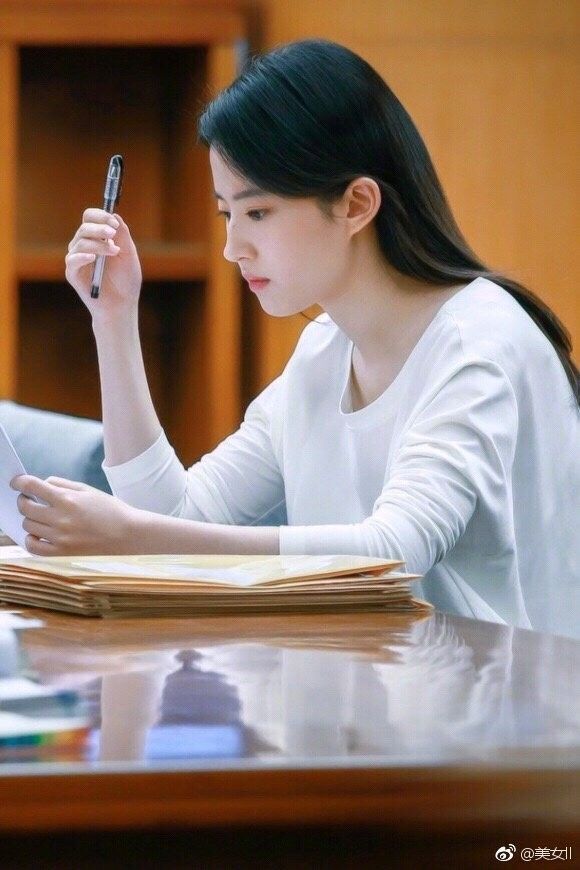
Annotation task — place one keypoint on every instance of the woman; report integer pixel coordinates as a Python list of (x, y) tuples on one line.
[(430, 414)]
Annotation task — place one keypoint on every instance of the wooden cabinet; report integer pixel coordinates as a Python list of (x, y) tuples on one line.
[(79, 83)]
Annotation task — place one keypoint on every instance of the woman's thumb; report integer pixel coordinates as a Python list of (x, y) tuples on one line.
[(123, 234)]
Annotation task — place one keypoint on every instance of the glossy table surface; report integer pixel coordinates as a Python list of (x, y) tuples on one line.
[(322, 709)]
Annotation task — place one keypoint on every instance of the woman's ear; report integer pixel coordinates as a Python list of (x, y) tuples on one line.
[(360, 203)]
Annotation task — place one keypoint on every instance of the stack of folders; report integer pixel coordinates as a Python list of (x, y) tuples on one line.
[(186, 585)]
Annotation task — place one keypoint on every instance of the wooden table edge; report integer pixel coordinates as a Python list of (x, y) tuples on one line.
[(432, 799)]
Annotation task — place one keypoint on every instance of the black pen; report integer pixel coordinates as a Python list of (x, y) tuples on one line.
[(112, 196)]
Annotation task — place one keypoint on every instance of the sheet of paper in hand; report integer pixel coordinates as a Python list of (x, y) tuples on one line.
[(10, 466)]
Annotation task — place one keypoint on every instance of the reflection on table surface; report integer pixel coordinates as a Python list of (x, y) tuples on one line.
[(389, 689)]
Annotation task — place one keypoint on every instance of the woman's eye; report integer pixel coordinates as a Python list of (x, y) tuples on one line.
[(256, 214)]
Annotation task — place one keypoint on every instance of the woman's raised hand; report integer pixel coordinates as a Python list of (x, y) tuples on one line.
[(107, 234)]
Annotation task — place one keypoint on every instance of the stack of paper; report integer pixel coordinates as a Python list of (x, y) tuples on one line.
[(179, 585)]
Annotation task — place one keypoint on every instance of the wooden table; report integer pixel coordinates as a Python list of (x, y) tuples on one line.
[(307, 738)]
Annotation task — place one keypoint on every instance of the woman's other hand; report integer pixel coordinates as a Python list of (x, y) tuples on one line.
[(74, 518), (106, 234)]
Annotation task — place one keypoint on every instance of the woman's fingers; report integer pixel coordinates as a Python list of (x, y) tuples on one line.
[(95, 246), (51, 491), (39, 530), (80, 260), (32, 509), (34, 487), (99, 216), (104, 234), (52, 527), (100, 236), (123, 236), (75, 262), (65, 483), (99, 231), (40, 548)]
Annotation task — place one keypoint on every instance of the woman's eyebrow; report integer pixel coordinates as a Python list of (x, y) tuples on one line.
[(243, 194)]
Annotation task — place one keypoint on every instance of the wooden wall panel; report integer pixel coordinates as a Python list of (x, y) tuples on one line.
[(492, 88), (8, 297)]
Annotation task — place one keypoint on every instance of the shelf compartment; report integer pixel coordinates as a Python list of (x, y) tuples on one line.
[(162, 261), (80, 105), (58, 362)]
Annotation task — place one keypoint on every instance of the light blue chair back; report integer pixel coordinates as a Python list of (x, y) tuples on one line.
[(56, 444)]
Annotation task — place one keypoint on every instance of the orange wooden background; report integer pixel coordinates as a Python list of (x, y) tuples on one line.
[(493, 90), (491, 86)]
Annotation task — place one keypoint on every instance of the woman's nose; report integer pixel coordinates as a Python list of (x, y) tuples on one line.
[(236, 246)]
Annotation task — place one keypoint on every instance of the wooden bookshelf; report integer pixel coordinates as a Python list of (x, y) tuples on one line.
[(169, 261), (77, 85)]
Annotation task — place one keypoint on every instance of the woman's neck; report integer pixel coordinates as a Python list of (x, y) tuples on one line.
[(382, 311)]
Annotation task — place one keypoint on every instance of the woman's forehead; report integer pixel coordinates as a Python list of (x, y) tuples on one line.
[(226, 176), (232, 186)]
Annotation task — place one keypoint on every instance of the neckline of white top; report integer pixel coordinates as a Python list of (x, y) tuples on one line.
[(385, 406)]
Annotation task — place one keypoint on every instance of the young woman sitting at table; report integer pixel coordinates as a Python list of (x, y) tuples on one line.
[(430, 414)]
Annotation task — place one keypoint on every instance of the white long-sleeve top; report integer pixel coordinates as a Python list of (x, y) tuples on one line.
[(467, 467)]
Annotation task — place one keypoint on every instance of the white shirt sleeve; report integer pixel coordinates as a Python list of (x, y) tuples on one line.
[(238, 483), (457, 447)]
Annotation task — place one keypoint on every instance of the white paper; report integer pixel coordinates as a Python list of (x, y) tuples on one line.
[(247, 573), (235, 576), (10, 466)]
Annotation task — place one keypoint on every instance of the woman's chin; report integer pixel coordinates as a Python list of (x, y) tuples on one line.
[(279, 309)]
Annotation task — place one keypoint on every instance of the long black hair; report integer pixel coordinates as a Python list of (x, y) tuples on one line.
[(309, 117)]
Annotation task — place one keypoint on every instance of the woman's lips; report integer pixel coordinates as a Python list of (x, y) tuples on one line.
[(257, 284)]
